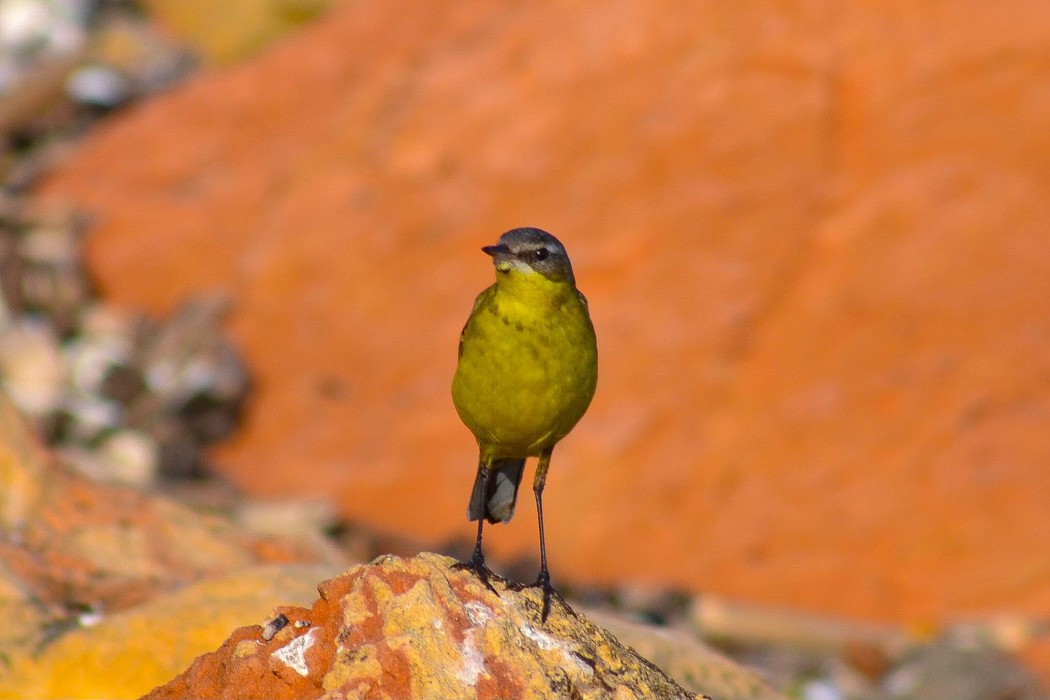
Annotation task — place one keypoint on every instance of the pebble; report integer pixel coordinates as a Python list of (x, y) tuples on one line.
[(122, 397), (283, 516), (132, 458), (31, 28), (98, 86), (24, 23), (89, 416), (821, 689), (92, 359), (31, 365)]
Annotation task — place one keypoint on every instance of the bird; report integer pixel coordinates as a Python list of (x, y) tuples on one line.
[(526, 374)]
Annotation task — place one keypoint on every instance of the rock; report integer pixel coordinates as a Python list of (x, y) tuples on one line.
[(736, 625), (813, 236), (122, 397), (188, 357), (695, 665), (140, 51), (31, 366), (124, 655), (418, 628), (111, 547), (99, 86), (946, 672), (23, 470), (69, 545), (277, 517), (132, 458), (236, 28)]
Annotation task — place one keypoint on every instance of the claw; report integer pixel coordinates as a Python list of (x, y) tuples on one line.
[(478, 567), (544, 582)]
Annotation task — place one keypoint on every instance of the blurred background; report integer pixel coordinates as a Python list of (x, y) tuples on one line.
[(815, 238)]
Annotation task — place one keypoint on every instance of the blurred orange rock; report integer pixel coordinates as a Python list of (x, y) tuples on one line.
[(126, 654), (815, 237), (80, 543), (74, 552)]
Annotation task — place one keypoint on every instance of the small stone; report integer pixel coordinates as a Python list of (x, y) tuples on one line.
[(90, 415), (821, 689), (132, 458), (91, 359), (52, 279), (31, 366), (274, 626), (277, 517), (22, 24), (90, 618), (51, 245), (188, 356), (99, 86), (942, 671)]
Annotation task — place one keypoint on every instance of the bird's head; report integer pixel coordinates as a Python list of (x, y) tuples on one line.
[(531, 251)]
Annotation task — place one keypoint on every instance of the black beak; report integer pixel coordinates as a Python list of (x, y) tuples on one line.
[(495, 250)]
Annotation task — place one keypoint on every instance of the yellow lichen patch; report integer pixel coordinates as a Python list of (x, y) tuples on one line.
[(352, 666), (245, 648)]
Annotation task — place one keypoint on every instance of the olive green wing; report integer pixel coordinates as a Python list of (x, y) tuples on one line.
[(485, 295)]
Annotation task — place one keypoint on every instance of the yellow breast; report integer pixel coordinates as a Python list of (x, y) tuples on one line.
[(528, 366)]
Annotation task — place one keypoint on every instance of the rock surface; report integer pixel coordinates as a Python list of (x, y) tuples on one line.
[(692, 663), (814, 237), (124, 655), (74, 553), (23, 466), (418, 628), (234, 29)]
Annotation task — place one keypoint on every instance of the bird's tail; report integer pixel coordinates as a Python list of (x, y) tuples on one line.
[(494, 498)]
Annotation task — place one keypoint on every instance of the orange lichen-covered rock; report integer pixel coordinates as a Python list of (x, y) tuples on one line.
[(417, 628), (71, 547), (112, 547)]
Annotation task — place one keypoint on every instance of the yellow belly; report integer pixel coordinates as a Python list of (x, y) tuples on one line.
[(527, 372)]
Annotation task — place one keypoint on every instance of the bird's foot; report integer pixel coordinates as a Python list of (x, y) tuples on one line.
[(483, 572), (543, 581)]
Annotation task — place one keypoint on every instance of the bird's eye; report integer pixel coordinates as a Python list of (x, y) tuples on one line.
[(542, 254)]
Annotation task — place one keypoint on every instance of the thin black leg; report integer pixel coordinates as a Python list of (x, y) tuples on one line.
[(544, 579), (477, 560)]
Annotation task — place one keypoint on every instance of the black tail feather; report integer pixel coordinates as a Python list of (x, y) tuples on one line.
[(494, 498)]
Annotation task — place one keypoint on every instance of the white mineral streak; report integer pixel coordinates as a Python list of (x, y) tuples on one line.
[(548, 643), (473, 660), (293, 653)]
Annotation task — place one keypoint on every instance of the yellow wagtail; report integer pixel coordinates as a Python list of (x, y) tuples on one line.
[(528, 366)]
